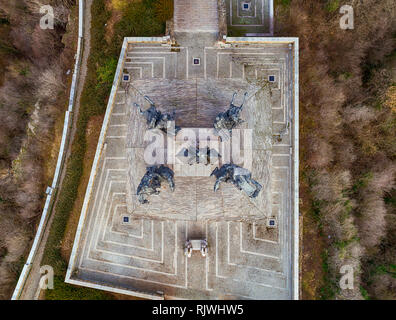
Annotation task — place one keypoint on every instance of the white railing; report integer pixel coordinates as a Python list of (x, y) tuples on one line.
[(65, 137)]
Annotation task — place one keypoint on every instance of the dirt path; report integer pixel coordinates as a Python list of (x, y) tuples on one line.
[(31, 289)]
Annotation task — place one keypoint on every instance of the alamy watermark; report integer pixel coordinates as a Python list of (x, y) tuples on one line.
[(47, 278), (47, 20), (347, 19), (346, 281)]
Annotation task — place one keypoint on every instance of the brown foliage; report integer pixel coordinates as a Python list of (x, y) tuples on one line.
[(347, 127), (164, 9), (32, 82), (391, 98)]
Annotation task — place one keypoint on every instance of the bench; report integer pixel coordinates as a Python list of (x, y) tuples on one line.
[(196, 245)]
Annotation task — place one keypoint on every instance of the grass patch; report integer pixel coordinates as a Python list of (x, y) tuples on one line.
[(105, 73), (315, 210), (283, 3), (364, 293), (342, 244), (387, 269), (64, 291), (362, 182), (328, 289), (138, 19), (332, 5)]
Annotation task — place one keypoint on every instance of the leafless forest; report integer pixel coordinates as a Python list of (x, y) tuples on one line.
[(348, 145), (33, 84)]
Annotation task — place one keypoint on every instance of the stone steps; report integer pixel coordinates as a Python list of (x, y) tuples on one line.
[(196, 15)]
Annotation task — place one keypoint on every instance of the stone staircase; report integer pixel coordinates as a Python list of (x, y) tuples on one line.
[(196, 16)]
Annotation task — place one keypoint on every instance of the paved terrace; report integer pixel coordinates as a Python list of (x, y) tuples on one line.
[(144, 257), (249, 17)]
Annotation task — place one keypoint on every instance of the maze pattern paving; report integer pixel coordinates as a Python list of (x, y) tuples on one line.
[(246, 260), (255, 19)]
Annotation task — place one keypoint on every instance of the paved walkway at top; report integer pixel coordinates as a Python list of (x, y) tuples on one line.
[(196, 16)]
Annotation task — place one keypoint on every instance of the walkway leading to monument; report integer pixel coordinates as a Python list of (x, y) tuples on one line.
[(195, 16)]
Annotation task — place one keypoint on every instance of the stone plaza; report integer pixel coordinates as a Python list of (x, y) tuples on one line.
[(138, 249)]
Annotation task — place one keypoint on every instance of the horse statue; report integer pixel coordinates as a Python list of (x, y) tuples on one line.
[(229, 119), (152, 180), (155, 118), (240, 177)]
